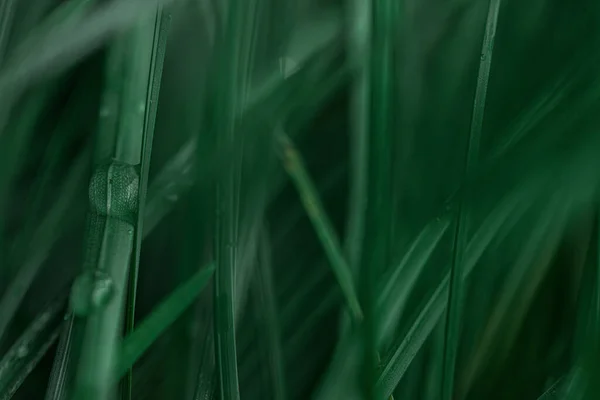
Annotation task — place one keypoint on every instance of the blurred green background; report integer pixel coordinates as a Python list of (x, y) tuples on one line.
[(282, 199)]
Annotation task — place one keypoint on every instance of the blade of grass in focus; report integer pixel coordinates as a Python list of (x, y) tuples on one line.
[(150, 93), (456, 295), (99, 292)]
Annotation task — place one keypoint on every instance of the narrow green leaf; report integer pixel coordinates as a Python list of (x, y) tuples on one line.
[(42, 240), (453, 324), (163, 316), (31, 346), (149, 92), (314, 209), (266, 299), (392, 299)]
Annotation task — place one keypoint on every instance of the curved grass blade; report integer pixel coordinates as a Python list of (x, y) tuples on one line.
[(542, 240), (26, 352), (59, 46), (392, 299), (138, 341), (402, 353), (308, 195), (453, 324)]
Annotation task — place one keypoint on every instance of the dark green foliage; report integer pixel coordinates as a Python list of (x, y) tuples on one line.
[(394, 199)]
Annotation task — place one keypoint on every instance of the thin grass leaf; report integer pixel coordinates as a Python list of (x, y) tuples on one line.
[(163, 316), (150, 93), (52, 51), (554, 391), (26, 352), (268, 300), (6, 19), (358, 27), (542, 240), (43, 240), (392, 298), (453, 324), (400, 356), (231, 86), (314, 209)]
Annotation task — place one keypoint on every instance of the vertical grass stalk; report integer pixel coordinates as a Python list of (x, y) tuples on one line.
[(455, 294), (230, 89)]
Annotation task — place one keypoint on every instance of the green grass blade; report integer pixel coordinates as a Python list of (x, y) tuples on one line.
[(554, 391), (314, 209), (232, 66), (138, 341), (43, 239), (543, 240), (358, 26), (150, 95), (392, 299), (69, 41), (400, 356), (267, 301), (26, 352), (453, 324), (6, 20)]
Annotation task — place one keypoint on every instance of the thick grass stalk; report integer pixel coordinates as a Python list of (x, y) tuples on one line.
[(453, 324), (98, 295)]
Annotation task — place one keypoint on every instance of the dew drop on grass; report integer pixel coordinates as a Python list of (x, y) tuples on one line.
[(91, 291)]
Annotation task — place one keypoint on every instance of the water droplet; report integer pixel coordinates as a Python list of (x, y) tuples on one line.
[(482, 56), (142, 107), (91, 290), (22, 351)]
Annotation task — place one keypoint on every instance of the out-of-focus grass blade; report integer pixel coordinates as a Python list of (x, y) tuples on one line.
[(358, 27), (232, 69), (392, 299), (378, 207), (43, 239), (267, 301), (26, 352), (542, 240), (554, 391), (61, 45), (314, 209), (401, 354), (160, 319), (6, 17), (453, 324)]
